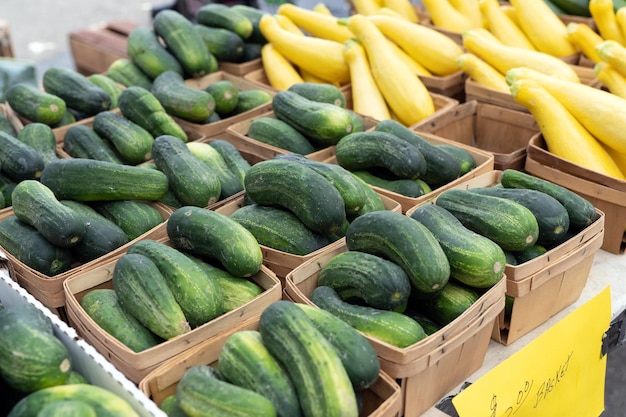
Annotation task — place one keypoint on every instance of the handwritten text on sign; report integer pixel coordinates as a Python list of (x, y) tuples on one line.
[(559, 373)]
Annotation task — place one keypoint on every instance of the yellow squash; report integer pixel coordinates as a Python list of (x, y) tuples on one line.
[(322, 8), (613, 53), (366, 7), (316, 24), (564, 135), (402, 7), (619, 158), (321, 57), (415, 66), (602, 113), (543, 27), (404, 92), (620, 18), (434, 50), (471, 10), (502, 27), (612, 80), (603, 15), (481, 72), (366, 97), (280, 73), (445, 16), (585, 39), (503, 57), (287, 24)]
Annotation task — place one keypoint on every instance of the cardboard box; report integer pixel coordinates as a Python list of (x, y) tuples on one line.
[(430, 368), (84, 358), (136, 365), (545, 285), (380, 400), (503, 132), (605, 193), (282, 263), (95, 48)]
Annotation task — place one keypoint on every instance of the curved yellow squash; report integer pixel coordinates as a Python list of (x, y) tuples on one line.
[(415, 66), (604, 16), (402, 7), (602, 113), (366, 97), (287, 24), (613, 53), (612, 79), (445, 16), (502, 27), (564, 135), (585, 39), (321, 57), (316, 24), (434, 50), (322, 8), (543, 27), (404, 92), (279, 72), (469, 9), (481, 72), (366, 7), (503, 57)]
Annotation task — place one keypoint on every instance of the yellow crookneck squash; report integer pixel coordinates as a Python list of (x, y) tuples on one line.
[(585, 39), (481, 72), (280, 73), (502, 27)]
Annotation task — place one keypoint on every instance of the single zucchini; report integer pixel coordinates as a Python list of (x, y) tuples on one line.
[(40, 137), (225, 94), (112, 88), (229, 182), (223, 16), (405, 187), (69, 408), (18, 160), (34, 104), (132, 142), (463, 156), (134, 217), (149, 54), (225, 45), (280, 134), (125, 72), (76, 90), (81, 141), (194, 105), (248, 100), (452, 301), (322, 92), (233, 158)]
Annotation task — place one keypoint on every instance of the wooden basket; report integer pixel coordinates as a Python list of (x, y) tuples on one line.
[(430, 368), (282, 263), (503, 132), (380, 400), (606, 193), (136, 365), (49, 289), (478, 92), (546, 284), (240, 69)]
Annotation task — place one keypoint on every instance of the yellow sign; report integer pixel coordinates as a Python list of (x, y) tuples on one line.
[(560, 373)]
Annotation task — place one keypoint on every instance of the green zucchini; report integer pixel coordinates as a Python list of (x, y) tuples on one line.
[(280, 134), (170, 406), (474, 259), (36, 205), (462, 155), (573, 7), (377, 149), (91, 180), (581, 212), (81, 141), (299, 189), (112, 88), (279, 229), (40, 137), (141, 107), (252, 51), (194, 105), (103, 307), (184, 43), (248, 100), (373, 201), (225, 94), (254, 15), (27, 245), (197, 293), (132, 142), (405, 187), (192, 181), (69, 408), (233, 158), (201, 392), (441, 167), (134, 217), (101, 235), (206, 233), (125, 72), (223, 16), (229, 183), (551, 216), (448, 304), (390, 327), (245, 361), (149, 54), (322, 383), (225, 45), (105, 402), (529, 253), (34, 104), (323, 124), (76, 90), (406, 242), (365, 278), (322, 92), (18, 160), (506, 222), (145, 294)]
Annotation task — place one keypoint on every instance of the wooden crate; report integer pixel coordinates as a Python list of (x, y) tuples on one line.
[(430, 368), (95, 48), (380, 400), (545, 285), (136, 365), (606, 193), (242, 68), (503, 132), (6, 44)]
